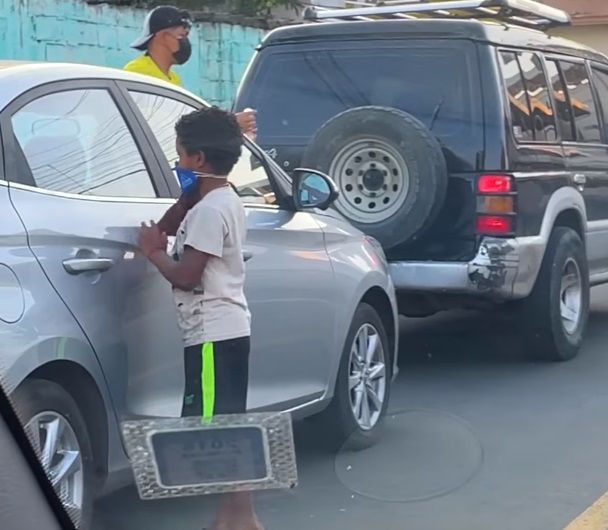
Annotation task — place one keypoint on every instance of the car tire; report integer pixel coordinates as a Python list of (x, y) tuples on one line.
[(556, 312), (43, 405), (389, 169), (339, 425)]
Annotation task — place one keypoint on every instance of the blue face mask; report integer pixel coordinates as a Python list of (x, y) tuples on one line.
[(187, 178)]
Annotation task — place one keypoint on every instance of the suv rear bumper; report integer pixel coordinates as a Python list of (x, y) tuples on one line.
[(503, 269)]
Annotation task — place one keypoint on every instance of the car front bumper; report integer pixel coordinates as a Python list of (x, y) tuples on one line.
[(503, 269)]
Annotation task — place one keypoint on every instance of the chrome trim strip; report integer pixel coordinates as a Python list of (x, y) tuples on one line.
[(94, 198)]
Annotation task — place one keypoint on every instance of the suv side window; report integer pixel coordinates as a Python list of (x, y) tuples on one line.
[(162, 113), (518, 99), (582, 103), (77, 141), (543, 118), (600, 81), (560, 97)]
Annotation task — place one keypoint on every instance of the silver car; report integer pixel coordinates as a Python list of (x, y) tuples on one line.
[(88, 334)]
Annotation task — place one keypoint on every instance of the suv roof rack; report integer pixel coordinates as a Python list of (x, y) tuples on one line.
[(528, 13)]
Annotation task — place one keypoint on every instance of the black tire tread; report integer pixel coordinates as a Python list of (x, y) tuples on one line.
[(393, 237), (545, 340), (336, 422)]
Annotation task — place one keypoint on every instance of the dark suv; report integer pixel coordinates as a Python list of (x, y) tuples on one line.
[(475, 152)]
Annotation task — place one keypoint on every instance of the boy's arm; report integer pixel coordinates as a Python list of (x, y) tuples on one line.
[(205, 239), (184, 274)]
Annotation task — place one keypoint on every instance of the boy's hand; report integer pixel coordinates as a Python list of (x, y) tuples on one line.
[(151, 239), (248, 122)]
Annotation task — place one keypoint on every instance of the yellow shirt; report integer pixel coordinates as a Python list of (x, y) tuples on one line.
[(145, 65)]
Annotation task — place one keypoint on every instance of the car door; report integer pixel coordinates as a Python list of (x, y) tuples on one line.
[(83, 180), (587, 160), (289, 278)]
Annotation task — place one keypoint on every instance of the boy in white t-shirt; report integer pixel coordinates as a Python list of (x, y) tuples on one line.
[(207, 272)]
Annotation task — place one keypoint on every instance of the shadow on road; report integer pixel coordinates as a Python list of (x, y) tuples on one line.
[(461, 337)]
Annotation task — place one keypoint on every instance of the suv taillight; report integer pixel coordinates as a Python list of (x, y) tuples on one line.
[(495, 205)]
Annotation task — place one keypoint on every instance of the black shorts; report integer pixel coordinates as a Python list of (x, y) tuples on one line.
[(217, 376)]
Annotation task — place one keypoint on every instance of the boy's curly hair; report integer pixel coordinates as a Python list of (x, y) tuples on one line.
[(216, 133)]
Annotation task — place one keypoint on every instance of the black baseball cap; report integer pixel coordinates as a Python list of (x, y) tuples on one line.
[(162, 17)]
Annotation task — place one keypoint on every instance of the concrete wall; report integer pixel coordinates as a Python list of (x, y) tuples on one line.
[(594, 36), (73, 31)]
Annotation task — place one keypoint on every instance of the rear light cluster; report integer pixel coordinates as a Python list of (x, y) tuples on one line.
[(495, 205)]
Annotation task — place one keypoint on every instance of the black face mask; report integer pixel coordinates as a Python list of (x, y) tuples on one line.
[(184, 52)]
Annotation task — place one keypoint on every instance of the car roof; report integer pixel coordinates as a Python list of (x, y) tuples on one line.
[(484, 31), (17, 77)]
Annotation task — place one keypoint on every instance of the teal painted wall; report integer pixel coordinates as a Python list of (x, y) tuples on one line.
[(73, 31)]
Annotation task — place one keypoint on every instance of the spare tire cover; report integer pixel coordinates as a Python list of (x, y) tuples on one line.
[(389, 169)]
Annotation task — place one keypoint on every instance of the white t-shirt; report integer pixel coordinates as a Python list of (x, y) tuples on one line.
[(217, 309)]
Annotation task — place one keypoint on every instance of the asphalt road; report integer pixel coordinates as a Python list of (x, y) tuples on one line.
[(478, 438)]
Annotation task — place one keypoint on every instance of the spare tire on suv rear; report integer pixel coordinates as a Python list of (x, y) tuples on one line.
[(389, 168)]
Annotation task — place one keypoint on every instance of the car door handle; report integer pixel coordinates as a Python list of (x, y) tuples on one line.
[(247, 255), (80, 265), (579, 178)]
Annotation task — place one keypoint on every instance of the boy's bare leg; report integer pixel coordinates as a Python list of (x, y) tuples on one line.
[(236, 513)]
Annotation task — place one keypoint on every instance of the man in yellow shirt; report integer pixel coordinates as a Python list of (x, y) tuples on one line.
[(165, 43)]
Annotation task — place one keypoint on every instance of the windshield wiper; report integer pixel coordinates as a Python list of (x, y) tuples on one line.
[(436, 113)]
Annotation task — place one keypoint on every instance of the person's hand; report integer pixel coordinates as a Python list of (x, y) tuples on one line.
[(248, 122), (151, 239)]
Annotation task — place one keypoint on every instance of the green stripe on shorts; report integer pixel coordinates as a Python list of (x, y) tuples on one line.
[(208, 380)]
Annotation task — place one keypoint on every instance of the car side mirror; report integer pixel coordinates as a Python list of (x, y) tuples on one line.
[(313, 189)]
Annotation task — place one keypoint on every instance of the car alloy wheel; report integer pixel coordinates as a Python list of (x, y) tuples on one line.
[(571, 296), (367, 377), (59, 451)]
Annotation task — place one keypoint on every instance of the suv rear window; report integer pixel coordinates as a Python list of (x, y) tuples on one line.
[(295, 92)]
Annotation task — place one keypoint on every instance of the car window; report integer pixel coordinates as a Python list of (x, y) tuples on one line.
[(78, 142), (162, 113), (251, 180), (560, 97), (330, 81), (542, 117), (600, 81), (519, 104), (581, 100)]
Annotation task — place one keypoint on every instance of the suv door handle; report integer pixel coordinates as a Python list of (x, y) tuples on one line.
[(247, 255), (80, 265), (579, 178)]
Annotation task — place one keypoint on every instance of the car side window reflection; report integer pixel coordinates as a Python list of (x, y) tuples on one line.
[(581, 101), (248, 177), (162, 114), (78, 142)]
